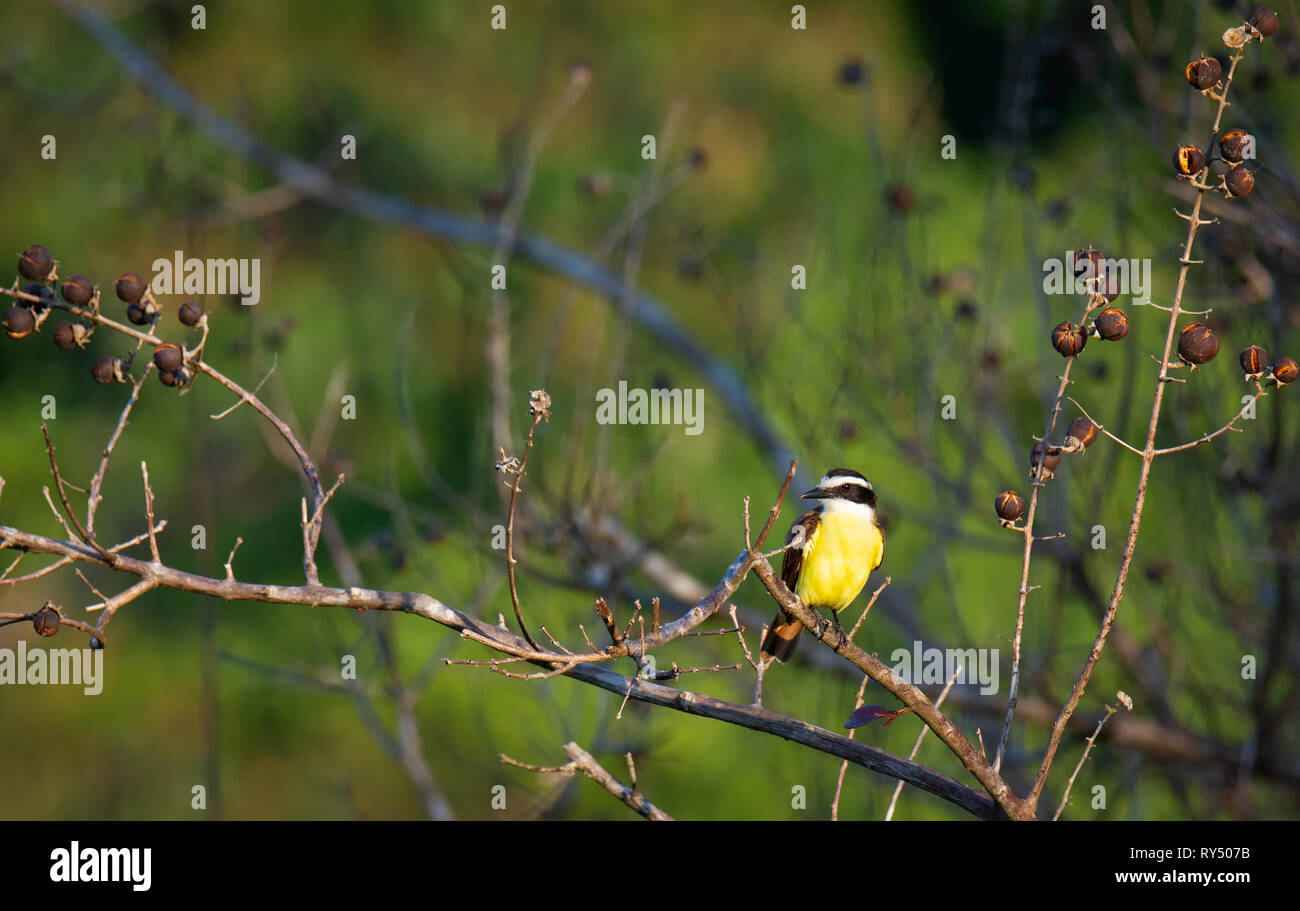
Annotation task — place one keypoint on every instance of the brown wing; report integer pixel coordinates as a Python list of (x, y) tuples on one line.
[(792, 562)]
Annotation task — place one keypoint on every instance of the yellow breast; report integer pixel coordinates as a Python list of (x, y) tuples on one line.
[(840, 556)]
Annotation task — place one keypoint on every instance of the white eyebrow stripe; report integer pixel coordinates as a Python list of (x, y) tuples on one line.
[(827, 482)]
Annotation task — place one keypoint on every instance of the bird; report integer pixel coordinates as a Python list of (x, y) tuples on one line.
[(831, 551)]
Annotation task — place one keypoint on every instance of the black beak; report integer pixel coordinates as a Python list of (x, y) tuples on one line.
[(815, 494)]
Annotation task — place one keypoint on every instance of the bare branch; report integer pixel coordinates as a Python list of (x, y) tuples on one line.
[(97, 482), (582, 761), (1092, 741)]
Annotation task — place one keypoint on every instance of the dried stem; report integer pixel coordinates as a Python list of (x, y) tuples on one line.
[(582, 761), (916, 747), (539, 414), (97, 482), (1149, 452), (1092, 741)]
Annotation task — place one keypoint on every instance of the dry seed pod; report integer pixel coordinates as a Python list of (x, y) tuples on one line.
[(1189, 160), (1081, 435), (46, 620), (130, 287), (35, 263), (190, 313), (1235, 144), (1254, 361), (1068, 340), (135, 313), (1239, 181), (1203, 73), (44, 292), (1051, 456), (77, 290), (1263, 20), (168, 357), (1009, 506), (1111, 324), (175, 378), (1235, 37), (107, 369), (70, 335), (19, 322), (1088, 262), (1197, 344), (1285, 371)]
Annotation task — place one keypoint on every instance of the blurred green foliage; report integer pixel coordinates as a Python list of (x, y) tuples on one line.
[(844, 179)]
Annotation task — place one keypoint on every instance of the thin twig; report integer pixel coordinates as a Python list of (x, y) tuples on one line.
[(63, 497), (148, 509), (916, 747), (94, 498), (1082, 759)]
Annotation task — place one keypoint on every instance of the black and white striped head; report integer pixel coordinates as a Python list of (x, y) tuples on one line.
[(843, 484)]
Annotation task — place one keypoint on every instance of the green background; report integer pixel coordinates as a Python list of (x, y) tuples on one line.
[(924, 280)]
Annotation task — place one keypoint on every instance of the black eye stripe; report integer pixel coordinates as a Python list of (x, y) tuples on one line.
[(854, 493)]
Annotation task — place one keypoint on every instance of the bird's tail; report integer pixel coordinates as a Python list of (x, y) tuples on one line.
[(781, 639)]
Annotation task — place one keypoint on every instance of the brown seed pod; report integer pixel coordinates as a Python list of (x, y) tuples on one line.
[(35, 263), (1239, 181), (1263, 20), (46, 620), (176, 378), (1111, 324), (1051, 456), (1088, 262), (168, 357), (19, 322), (135, 313), (190, 313), (44, 292), (130, 287), (70, 335), (1068, 339), (1197, 344), (1235, 144), (1203, 73), (1254, 361), (1009, 506), (1081, 435), (108, 369), (77, 290), (1189, 160), (1285, 371)]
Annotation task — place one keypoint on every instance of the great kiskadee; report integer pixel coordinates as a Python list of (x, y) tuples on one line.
[(837, 545)]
